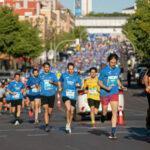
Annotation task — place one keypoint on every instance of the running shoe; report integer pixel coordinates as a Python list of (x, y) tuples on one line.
[(112, 136), (68, 129), (36, 122), (16, 123), (47, 129)]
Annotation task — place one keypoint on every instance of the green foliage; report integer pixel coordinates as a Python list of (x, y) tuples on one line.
[(18, 38), (115, 14), (61, 40), (138, 29), (27, 41), (9, 27)]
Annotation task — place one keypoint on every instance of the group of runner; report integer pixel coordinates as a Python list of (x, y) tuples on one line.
[(42, 86)]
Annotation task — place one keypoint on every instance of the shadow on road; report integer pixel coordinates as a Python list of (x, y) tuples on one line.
[(139, 134), (141, 94), (99, 132)]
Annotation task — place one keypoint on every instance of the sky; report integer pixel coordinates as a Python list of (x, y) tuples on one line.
[(106, 6)]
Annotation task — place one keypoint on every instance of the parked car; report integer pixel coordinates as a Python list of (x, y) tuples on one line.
[(63, 56), (141, 77), (83, 109), (138, 71), (70, 51)]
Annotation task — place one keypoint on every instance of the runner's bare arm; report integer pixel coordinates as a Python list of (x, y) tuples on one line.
[(59, 86), (54, 83), (120, 85), (103, 86), (10, 92)]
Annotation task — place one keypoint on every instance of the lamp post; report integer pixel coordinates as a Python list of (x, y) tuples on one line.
[(59, 45)]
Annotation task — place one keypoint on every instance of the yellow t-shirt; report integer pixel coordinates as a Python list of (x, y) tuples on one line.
[(93, 88)]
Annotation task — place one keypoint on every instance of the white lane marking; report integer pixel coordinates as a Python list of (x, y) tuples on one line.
[(37, 135), (80, 133), (4, 130), (132, 110), (71, 147), (22, 130), (127, 133), (3, 136)]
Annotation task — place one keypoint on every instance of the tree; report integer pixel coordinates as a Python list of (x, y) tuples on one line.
[(138, 28), (68, 38), (18, 38), (27, 41), (9, 27), (115, 14)]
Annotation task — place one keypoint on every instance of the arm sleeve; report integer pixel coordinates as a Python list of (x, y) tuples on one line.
[(28, 82), (101, 75), (79, 80), (9, 87)]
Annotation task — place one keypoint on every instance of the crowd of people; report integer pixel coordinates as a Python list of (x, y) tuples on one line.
[(38, 86), (42, 85), (95, 53)]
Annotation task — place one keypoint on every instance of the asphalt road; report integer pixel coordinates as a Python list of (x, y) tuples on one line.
[(131, 136)]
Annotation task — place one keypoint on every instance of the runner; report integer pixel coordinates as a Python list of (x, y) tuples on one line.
[(48, 84), (92, 89), (2, 93), (16, 89), (33, 84), (69, 82), (147, 85), (110, 84), (9, 101)]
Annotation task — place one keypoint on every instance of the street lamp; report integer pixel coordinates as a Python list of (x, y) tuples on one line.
[(59, 45)]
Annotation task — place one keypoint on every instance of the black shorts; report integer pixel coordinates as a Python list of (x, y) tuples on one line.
[(94, 103), (72, 101), (15, 103), (50, 100), (1, 99), (32, 98)]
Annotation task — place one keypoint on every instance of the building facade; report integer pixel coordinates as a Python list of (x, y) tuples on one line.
[(111, 25), (44, 14), (83, 7), (86, 6)]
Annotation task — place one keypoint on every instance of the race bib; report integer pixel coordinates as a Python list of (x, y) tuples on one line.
[(35, 90), (112, 81), (16, 96), (47, 85), (70, 94), (93, 91)]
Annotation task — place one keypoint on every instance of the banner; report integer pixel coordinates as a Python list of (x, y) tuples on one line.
[(77, 7)]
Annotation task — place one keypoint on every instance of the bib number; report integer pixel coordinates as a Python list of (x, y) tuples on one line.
[(47, 85), (92, 91), (70, 94), (112, 81), (35, 90), (16, 96)]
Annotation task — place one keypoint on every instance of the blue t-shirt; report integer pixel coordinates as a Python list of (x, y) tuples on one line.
[(109, 76), (7, 95), (48, 89), (16, 87), (69, 82), (31, 83)]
